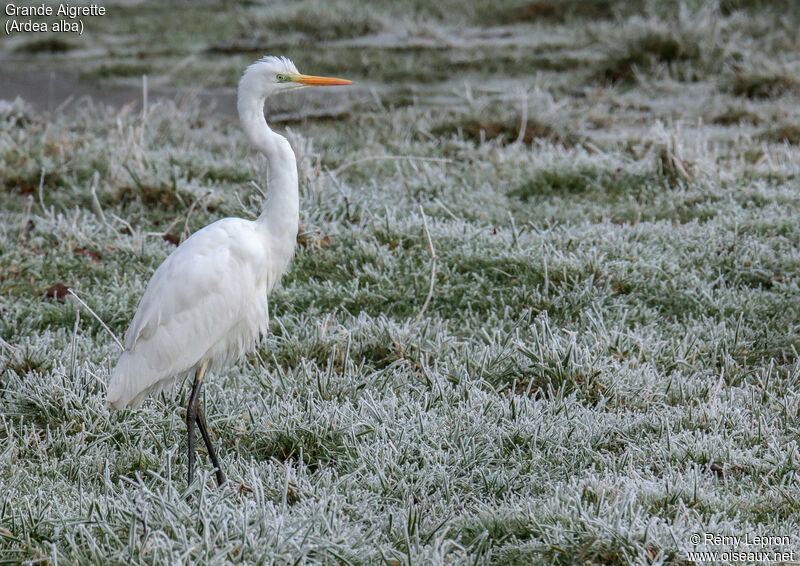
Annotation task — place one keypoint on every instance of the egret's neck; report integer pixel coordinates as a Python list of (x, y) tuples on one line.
[(280, 216)]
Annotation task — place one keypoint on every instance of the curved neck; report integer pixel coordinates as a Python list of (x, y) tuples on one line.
[(280, 215)]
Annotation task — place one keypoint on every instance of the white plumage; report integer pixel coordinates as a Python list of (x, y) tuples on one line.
[(206, 304), (207, 301)]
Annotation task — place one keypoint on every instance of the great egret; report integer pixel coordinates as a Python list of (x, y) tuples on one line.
[(206, 304)]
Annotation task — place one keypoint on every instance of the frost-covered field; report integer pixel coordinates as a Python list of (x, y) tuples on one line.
[(608, 362)]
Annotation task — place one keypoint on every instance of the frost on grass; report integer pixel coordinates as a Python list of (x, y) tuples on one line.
[(607, 365)]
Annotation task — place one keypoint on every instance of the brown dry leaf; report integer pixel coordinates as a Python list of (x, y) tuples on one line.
[(312, 239), (91, 254), (57, 291), (172, 239), (718, 470)]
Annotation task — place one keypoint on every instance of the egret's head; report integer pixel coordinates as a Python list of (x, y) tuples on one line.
[(277, 74)]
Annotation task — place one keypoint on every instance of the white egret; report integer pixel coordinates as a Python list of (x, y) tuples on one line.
[(206, 304)]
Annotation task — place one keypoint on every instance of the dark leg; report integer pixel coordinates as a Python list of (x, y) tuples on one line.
[(191, 415), (201, 423)]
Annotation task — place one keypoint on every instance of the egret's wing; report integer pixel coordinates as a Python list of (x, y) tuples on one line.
[(190, 311)]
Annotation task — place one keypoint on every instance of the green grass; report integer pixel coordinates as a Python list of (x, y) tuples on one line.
[(609, 359), (49, 45), (762, 83)]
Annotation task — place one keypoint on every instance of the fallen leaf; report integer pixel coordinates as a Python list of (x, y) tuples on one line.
[(172, 239), (315, 239), (718, 470), (91, 254), (57, 291)]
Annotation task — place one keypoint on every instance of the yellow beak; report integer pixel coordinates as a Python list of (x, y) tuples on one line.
[(311, 80)]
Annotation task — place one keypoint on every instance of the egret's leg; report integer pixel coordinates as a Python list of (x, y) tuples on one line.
[(191, 415), (201, 424)]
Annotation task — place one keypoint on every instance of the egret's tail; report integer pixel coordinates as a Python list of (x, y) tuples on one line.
[(120, 391), (131, 381)]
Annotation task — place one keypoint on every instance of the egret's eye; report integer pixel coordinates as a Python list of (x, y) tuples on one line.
[(282, 78)]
